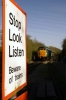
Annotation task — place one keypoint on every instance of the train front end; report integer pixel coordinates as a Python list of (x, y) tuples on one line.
[(41, 53)]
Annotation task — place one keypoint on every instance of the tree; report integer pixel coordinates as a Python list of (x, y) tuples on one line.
[(64, 44), (55, 50), (64, 47), (32, 45)]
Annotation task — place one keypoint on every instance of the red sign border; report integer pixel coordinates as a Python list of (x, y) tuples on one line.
[(3, 51)]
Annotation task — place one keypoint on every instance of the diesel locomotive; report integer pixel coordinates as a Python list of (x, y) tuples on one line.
[(42, 54)]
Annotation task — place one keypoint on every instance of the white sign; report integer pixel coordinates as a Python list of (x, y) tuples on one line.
[(15, 47)]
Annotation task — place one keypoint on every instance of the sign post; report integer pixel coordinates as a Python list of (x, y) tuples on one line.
[(14, 72)]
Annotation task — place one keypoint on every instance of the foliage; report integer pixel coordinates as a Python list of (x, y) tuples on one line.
[(55, 50), (64, 47), (64, 44), (32, 45)]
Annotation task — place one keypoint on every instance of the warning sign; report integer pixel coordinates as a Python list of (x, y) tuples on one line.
[(14, 47)]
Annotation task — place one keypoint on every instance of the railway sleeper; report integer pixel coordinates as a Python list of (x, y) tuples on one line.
[(43, 91)]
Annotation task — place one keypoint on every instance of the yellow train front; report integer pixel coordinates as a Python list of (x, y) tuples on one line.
[(42, 53)]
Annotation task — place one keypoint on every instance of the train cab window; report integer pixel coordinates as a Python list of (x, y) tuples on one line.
[(41, 48)]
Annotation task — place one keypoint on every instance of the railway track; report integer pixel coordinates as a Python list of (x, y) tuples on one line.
[(60, 90), (42, 85), (32, 67)]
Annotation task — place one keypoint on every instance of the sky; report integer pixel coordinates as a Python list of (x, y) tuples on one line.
[(46, 20)]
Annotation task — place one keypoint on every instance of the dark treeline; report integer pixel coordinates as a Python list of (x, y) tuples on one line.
[(33, 44), (63, 53)]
